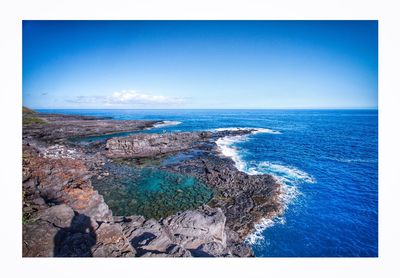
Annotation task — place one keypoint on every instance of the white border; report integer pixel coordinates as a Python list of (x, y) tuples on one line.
[(12, 12)]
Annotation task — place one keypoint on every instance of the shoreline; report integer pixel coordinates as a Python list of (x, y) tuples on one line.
[(241, 201)]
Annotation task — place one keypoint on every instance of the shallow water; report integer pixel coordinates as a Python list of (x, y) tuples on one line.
[(150, 192), (327, 159)]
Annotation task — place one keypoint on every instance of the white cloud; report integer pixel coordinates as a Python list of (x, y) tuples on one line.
[(134, 97), (127, 97)]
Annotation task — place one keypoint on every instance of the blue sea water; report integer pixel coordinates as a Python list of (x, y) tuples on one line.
[(327, 159)]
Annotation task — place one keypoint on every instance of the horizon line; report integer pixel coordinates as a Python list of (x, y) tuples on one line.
[(315, 108)]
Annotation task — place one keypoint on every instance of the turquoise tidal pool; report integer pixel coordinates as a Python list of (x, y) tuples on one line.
[(150, 192)]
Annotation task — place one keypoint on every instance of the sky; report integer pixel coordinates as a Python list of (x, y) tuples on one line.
[(200, 64)]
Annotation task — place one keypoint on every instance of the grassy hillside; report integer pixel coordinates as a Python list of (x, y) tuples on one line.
[(29, 116)]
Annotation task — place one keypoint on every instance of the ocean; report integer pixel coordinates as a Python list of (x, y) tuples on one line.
[(326, 159)]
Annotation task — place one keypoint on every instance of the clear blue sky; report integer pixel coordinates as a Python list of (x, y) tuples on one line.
[(200, 64)]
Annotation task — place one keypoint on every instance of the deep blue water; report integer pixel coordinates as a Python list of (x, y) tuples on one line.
[(328, 160)]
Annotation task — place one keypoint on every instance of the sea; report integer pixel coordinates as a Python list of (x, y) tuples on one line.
[(327, 161)]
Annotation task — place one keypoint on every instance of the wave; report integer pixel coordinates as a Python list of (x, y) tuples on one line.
[(166, 123), (227, 148), (257, 236), (286, 174), (351, 160)]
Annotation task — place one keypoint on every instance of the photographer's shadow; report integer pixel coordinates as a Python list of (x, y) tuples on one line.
[(76, 240)]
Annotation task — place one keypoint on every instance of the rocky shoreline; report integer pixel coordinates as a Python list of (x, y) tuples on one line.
[(64, 216)]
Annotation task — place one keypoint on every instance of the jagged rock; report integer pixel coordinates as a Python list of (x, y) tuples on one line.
[(112, 242), (66, 181)]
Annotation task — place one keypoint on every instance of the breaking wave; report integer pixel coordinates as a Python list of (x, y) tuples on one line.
[(257, 236), (166, 123), (227, 148), (286, 174)]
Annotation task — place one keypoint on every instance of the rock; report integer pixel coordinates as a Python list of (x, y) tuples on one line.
[(66, 216), (198, 232), (65, 181), (191, 229), (149, 145), (61, 127), (38, 239), (60, 216), (244, 199), (112, 242)]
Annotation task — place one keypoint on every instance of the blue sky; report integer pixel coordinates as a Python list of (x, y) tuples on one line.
[(200, 64)]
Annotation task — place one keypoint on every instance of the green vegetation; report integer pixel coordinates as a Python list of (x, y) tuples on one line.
[(29, 117), (26, 216)]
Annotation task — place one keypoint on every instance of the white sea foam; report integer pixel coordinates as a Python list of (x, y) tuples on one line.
[(286, 174), (257, 236), (227, 148), (166, 123)]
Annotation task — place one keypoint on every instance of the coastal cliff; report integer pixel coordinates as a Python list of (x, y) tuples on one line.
[(64, 215)]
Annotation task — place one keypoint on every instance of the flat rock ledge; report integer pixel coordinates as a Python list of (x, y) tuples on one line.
[(58, 128)]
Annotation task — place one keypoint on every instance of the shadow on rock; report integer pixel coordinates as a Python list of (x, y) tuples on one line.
[(76, 240)]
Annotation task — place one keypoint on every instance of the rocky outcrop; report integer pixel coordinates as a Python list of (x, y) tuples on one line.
[(63, 181), (59, 231), (64, 216), (149, 145), (193, 233), (57, 128)]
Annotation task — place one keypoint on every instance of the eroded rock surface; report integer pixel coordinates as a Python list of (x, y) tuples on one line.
[(197, 233)]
